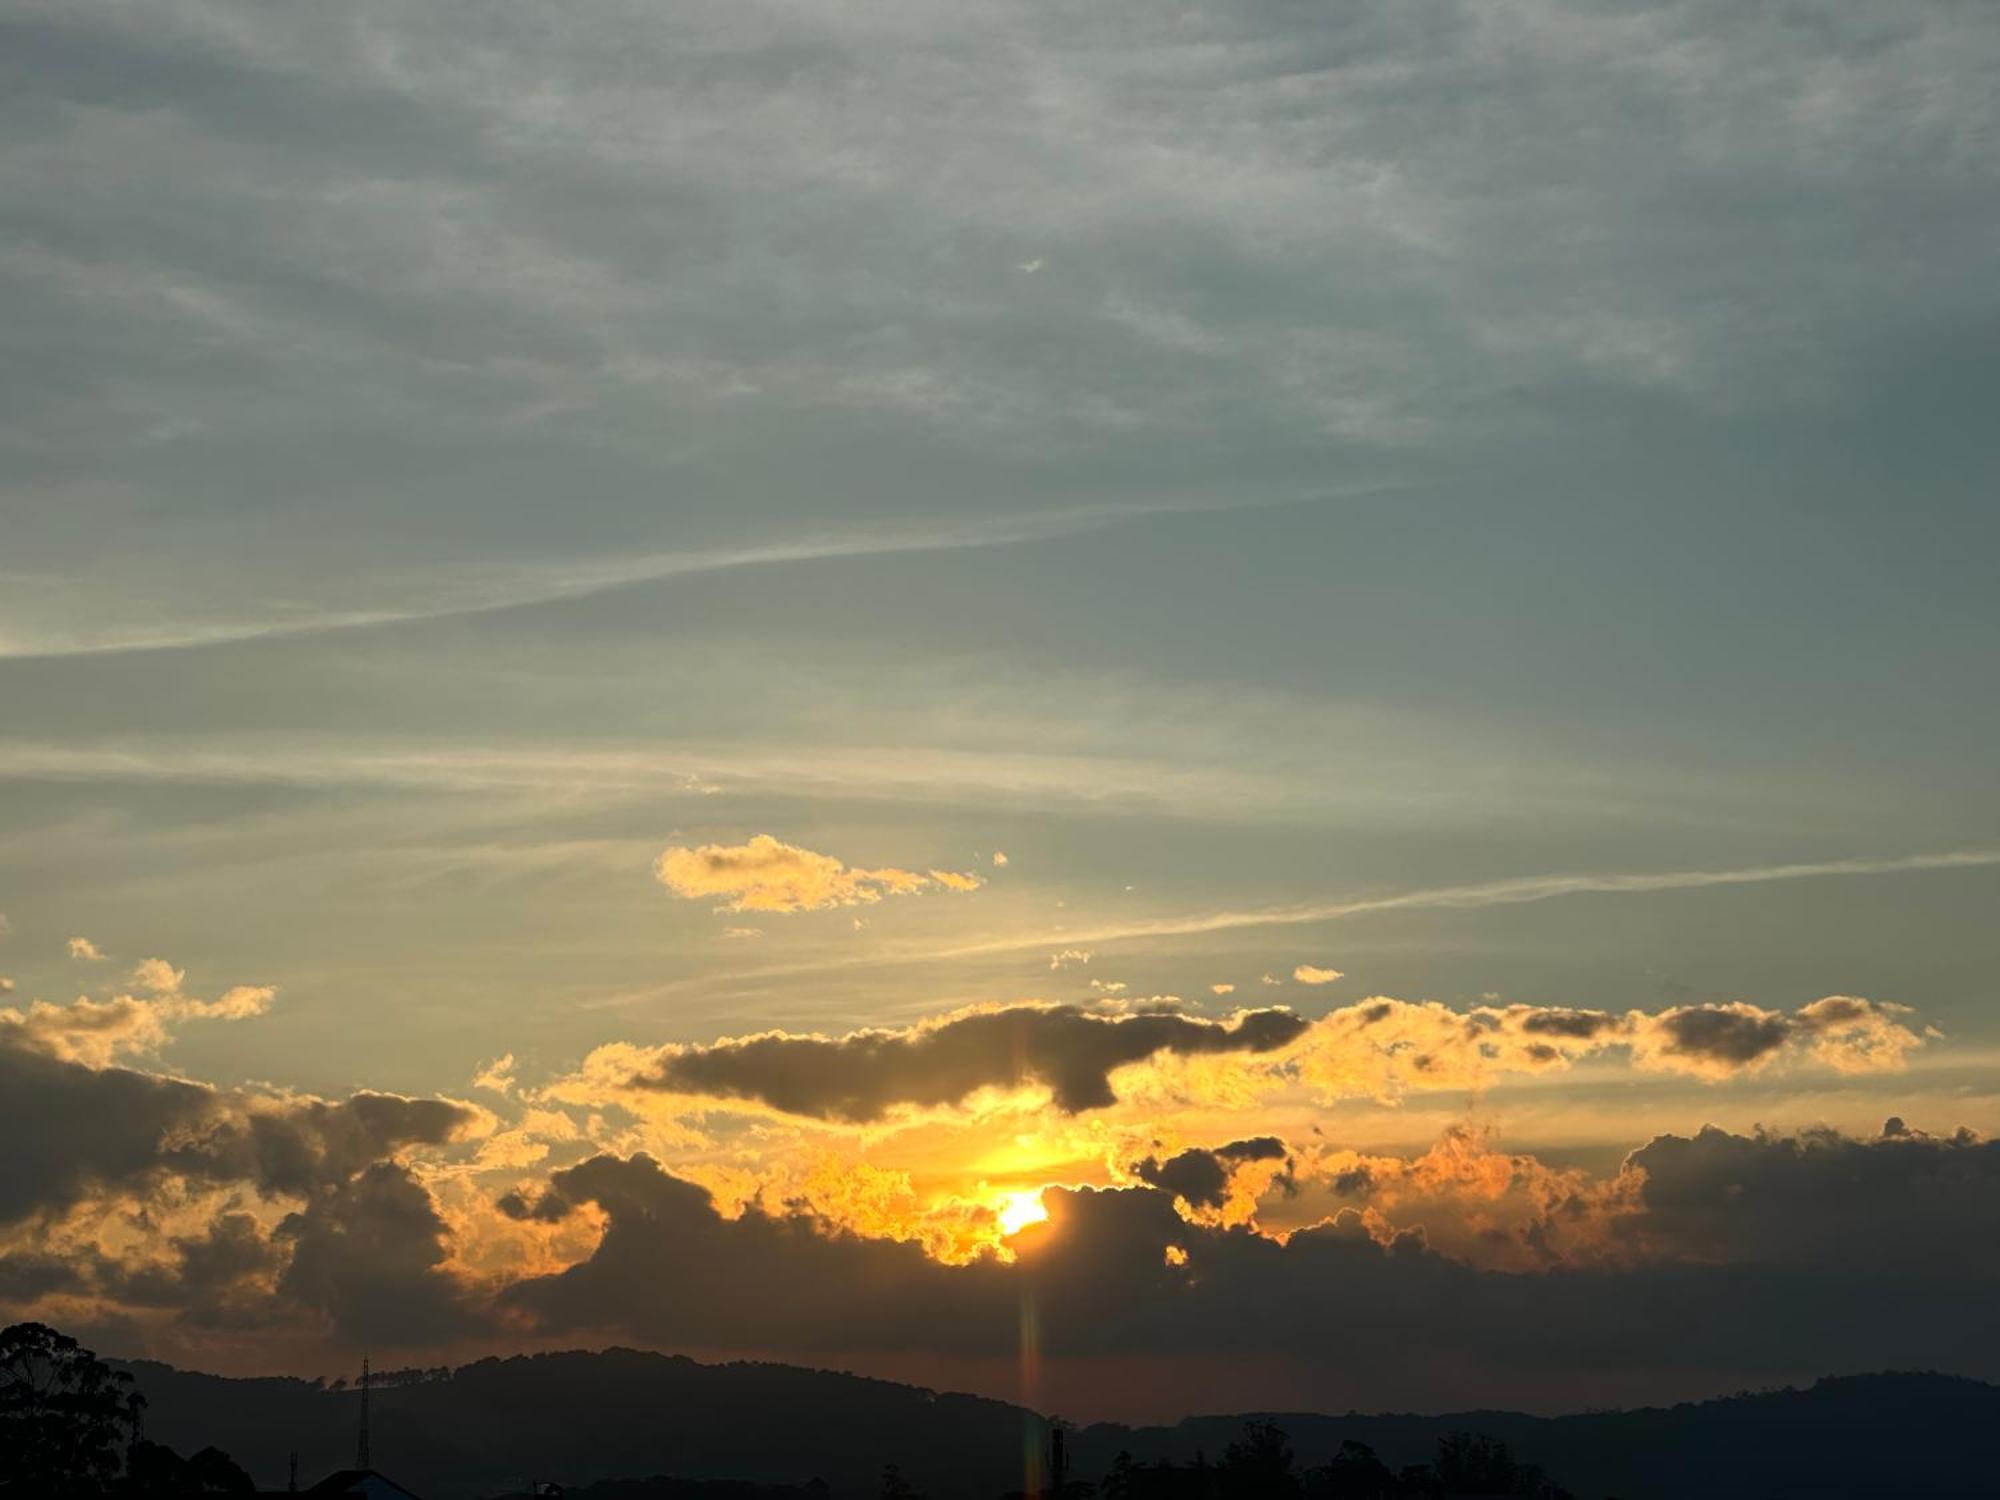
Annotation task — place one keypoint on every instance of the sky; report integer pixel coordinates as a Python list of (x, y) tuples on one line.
[(1305, 692)]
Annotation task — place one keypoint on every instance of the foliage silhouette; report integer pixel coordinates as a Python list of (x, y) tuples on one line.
[(66, 1416), (1259, 1465), (155, 1469)]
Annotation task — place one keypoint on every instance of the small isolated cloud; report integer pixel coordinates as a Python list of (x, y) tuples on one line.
[(1312, 974), (1068, 957), (84, 949), (1222, 989), (1108, 986), (766, 875), (742, 934), (498, 1075), (6, 985), (1000, 858), (158, 977), (1269, 979)]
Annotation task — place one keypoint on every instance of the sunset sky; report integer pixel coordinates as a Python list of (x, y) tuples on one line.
[(1306, 693)]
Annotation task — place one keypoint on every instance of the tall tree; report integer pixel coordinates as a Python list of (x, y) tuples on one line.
[(66, 1417)]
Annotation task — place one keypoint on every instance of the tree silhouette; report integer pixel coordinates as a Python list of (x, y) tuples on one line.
[(1258, 1465), (1472, 1464), (155, 1469), (65, 1416), (1354, 1473)]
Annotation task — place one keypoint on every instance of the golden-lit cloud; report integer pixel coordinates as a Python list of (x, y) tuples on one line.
[(1313, 974), (766, 875), (94, 1032), (860, 1076), (1034, 1140), (85, 951)]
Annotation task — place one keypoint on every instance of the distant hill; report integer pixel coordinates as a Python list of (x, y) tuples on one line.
[(1855, 1435), (488, 1428)]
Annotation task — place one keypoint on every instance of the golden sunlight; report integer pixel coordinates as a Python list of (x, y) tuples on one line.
[(1018, 1210)]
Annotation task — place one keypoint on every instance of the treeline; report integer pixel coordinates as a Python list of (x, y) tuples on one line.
[(386, 1379), (1260, 1465)]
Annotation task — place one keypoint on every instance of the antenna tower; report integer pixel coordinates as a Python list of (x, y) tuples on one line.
[(361, 1438)]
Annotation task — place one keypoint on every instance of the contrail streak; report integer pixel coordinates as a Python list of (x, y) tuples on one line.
[(453, 592), (1515, 891)]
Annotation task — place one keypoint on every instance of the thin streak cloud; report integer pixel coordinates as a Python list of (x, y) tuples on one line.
[(450, 593), (1511, 892), (1515, 891)]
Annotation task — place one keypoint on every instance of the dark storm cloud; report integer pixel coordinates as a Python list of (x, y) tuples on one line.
[(220, 1278), (68, 1130), (1905, 1203), (369, 1254), (1722, 1035), (1578, 1025), (364, 1251), (1847, 1230), (860, 1076), (1202, 1177), (761, 1280)]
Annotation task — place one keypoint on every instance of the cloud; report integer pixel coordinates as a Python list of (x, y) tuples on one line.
[(84, 950), (1222, 989), (860, 1076), (370, 1253), (999, 858), (1844, 1032), (1202, 1177), (1068, 956), (497, 1076), (69, 1130), (1904, 1202), (96, 1031), (1513, 891), (766, 875), (1310, 974), (1843, 1288), (1158, 1057)]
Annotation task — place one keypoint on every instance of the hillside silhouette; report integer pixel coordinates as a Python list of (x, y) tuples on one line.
[(488, 1428)]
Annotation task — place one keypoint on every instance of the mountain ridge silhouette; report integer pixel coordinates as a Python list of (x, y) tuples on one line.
[(488, 1427)]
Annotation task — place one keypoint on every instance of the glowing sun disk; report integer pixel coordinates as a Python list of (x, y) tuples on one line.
[(1018, 1210)]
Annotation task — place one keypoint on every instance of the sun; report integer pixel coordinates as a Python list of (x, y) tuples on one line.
[(1018, 1210)]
